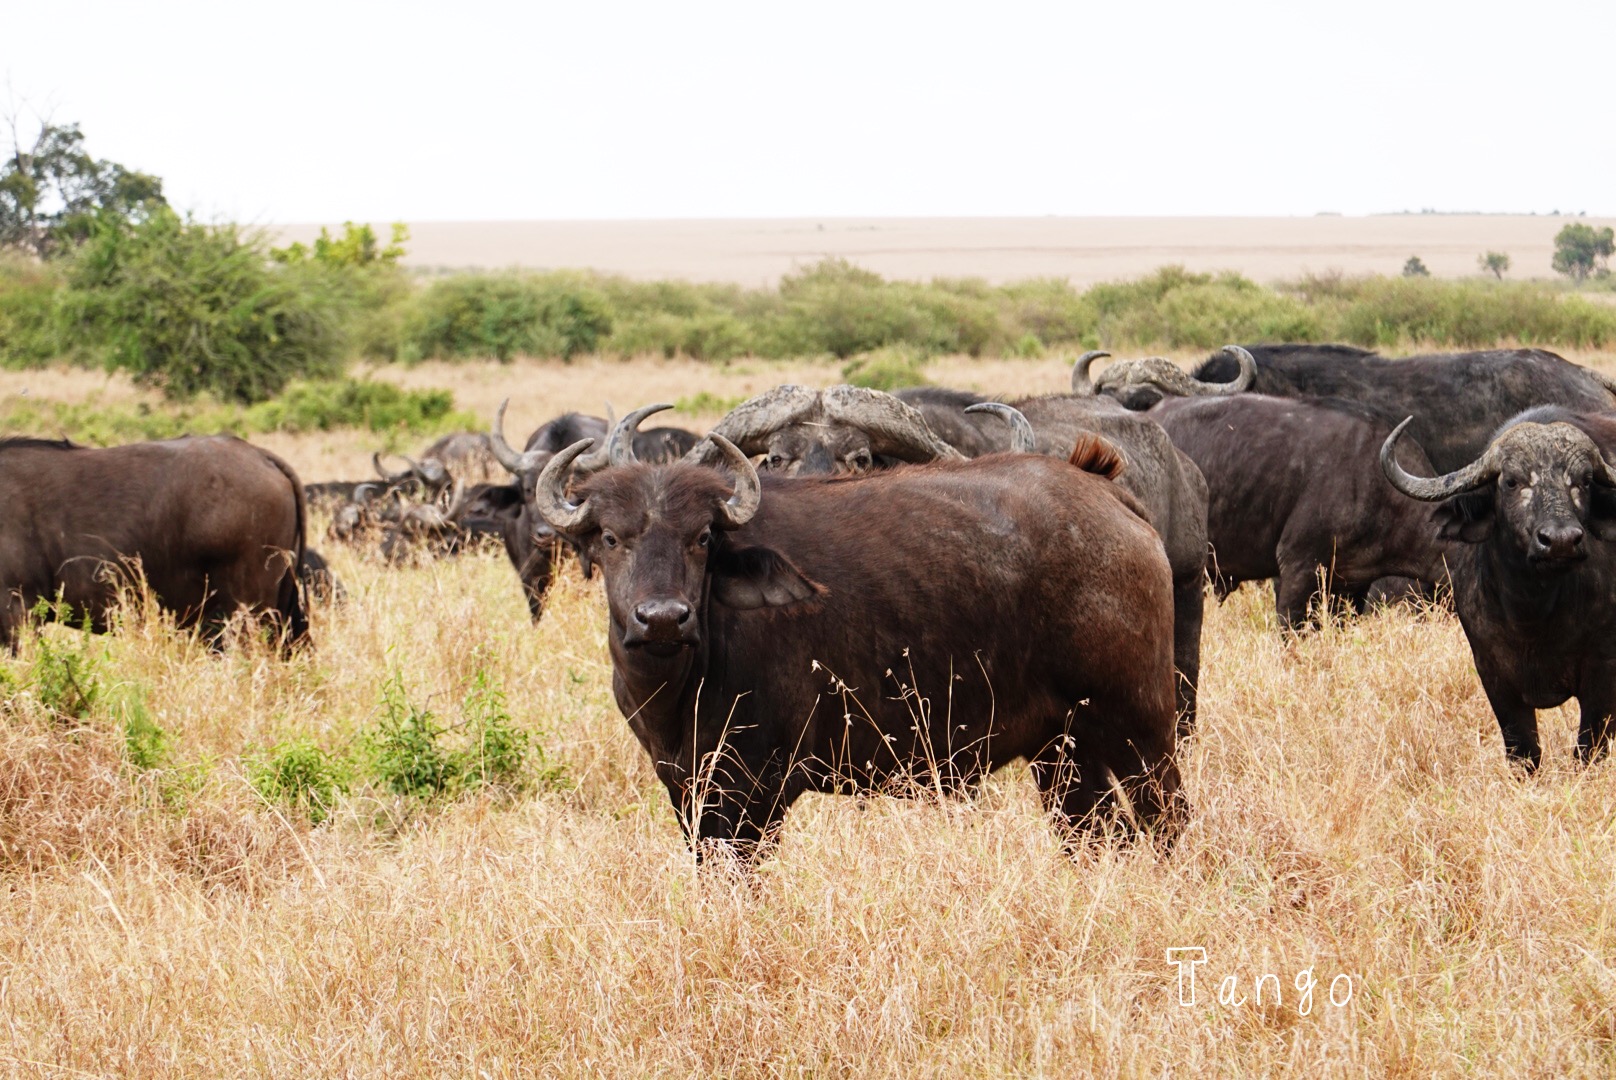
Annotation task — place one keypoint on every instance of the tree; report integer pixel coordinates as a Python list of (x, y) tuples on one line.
[(1415, 267), (52, 190), (1494, 262), (1581, 250)]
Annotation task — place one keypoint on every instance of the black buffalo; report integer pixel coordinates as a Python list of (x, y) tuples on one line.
[(213, 524), (1534, 570), (1457, 400), (921, 625), (1296, 490)]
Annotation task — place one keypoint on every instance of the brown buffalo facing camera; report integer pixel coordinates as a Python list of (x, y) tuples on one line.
[(921, 626), (214, 525)]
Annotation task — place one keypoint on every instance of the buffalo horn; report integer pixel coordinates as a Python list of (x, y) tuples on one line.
[(1022, 439), (895, 429), (550, 492), (1241, 383), (1428, 489), (750, 424), (619, 444), (515, 464), (739, 507), (391, 478), (1082, 385)]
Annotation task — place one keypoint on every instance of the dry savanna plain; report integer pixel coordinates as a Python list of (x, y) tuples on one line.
[(1355, 834)]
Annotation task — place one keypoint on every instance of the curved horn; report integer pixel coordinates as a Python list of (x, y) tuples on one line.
[(1022, 439), (739, 507), (895, 428), (550, 492), (515, 464), (1082, 385), (391, 478), (364, 493), (750, 424), (618, 446), (1242, 382), (1479, 472)]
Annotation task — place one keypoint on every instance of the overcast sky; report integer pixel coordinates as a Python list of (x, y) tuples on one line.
[(475, 110)]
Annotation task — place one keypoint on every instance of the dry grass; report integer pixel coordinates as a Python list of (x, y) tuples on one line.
[(1353, 816)]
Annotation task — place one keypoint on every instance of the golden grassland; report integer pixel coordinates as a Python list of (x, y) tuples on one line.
[(1353, 816)]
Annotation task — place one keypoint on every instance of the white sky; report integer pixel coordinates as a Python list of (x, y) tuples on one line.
[(479, 110)]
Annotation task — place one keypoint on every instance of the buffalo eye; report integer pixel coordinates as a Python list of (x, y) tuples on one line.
[(1510, 483), (774, 461), (608, 538), (861, 459), (705, 539)]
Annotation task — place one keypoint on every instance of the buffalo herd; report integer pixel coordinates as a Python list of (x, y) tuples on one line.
[(845, 590)]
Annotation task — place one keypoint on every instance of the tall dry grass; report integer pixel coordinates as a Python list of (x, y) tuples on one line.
[(1353, 816)]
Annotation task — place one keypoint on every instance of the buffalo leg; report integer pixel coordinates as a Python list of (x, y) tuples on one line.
[(1293, 596), (1079, 781), (11, 620), (1189, 600), (1517, 721), (1597, 699)]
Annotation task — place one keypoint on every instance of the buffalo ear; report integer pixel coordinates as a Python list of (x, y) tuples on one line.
[(1602, 512), (1467, 518), (757, 577)]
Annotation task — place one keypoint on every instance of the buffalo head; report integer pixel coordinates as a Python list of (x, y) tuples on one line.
[(658, 533), (1139, 384), (1540, 488)]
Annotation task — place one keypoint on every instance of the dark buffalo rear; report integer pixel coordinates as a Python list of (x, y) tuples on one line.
[(214, 524), (1457, 400), (1296, 489)]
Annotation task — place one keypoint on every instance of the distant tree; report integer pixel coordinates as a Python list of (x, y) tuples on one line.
[(1415, 267), (1494, 262), (52, 190), (1581, 250)]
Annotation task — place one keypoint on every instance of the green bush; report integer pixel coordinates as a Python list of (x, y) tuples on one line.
[(362, 403), (888, 369), (302, 775), (145, 743), (327, 405), (66, 679), (507, 315), (190, 308), (31, 328)]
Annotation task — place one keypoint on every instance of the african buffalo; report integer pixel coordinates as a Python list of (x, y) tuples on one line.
[(1295, 489), (1534, 573), (214, 524), (532, 546), (1457, 400), (910, 626)]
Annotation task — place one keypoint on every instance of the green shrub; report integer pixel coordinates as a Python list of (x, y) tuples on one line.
[(190, 308), (31, 330), (705, 401), (507, 315), (145, 743), (362, 403), (888, 369), (302, 775), (404, 749), (66, 678), (305, 406)]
